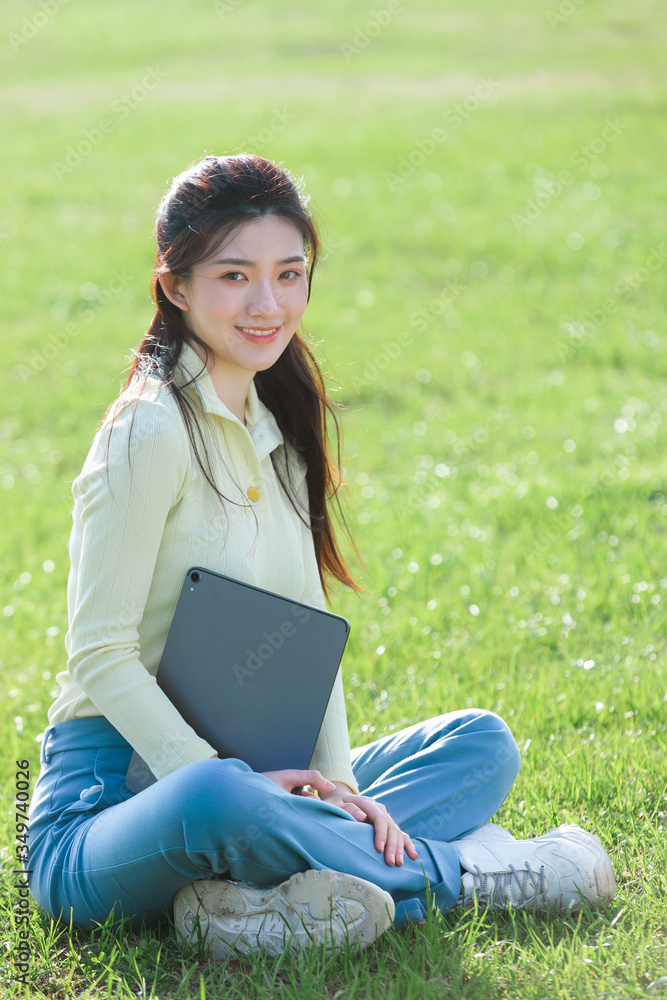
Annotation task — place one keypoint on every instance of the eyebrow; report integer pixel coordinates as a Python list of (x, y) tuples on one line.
[(251, 263)]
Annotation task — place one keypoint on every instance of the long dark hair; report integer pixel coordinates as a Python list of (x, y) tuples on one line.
[(206, 204)]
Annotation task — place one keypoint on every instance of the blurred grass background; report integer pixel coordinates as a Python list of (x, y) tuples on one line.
[(490, 313)]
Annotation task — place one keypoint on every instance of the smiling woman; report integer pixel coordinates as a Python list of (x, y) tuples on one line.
[(246, 318), (212, 219), (229, 852)]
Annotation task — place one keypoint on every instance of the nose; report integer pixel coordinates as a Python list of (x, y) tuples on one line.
[(265, 301)]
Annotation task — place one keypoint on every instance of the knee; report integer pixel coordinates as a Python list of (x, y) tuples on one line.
[(488, 742), (207, 772), (502, 756), (200, 790), (226, 794)]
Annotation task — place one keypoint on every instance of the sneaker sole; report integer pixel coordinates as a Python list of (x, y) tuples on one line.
[(310, 908)]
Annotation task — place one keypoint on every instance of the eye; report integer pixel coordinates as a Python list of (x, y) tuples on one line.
[(235, 276)]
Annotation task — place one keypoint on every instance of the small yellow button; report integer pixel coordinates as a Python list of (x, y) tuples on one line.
[(253, 493)]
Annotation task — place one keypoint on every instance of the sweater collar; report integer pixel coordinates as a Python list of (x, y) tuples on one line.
[(261, 424)]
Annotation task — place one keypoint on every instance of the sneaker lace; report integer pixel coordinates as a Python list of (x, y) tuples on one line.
[(520, 887)]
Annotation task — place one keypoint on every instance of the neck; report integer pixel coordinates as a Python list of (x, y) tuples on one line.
[(231, 387), (232, 394)]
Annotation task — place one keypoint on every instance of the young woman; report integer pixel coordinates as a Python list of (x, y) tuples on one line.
[(216, 454)]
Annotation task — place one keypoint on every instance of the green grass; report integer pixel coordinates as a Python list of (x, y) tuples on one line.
[(505, 457)]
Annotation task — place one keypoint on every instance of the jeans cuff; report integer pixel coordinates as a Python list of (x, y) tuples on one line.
[(409, 910)]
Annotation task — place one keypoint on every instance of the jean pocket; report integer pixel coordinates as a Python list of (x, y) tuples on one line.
[(111, 764), (90, 780)]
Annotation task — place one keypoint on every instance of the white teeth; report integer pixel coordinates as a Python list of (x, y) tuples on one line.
[(258, 333)]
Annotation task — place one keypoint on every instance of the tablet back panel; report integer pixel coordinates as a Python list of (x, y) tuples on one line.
[(249, 670)]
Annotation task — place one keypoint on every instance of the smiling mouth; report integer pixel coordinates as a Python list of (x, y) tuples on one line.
[(259, 333)]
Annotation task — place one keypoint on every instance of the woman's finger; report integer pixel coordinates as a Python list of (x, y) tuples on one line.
[(314, 779), (389, 838), (291, 778), (400, 842), (410, 848), (381, 824), (405, 846), (355, 811), (386, 831), (394, 843)]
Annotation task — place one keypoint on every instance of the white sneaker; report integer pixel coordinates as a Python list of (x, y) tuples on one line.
[(568, 830), (561, 869), (311, 907), (490, 831), (493, 831)]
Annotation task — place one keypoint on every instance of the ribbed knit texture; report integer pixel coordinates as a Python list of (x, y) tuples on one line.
[(136, 533)]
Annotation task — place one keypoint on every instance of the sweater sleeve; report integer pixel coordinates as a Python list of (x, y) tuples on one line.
[(119, 524), (332, 750)]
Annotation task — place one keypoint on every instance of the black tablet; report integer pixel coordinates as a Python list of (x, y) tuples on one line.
[(250, 671)]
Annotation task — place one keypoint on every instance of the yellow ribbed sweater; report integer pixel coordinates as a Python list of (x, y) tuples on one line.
[(135, 535)]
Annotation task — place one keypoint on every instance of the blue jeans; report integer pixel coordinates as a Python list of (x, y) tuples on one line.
[(95, 848)]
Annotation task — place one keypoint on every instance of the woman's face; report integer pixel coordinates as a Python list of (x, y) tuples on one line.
[(246, 300)]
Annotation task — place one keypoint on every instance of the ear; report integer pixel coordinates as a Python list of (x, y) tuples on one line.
[(174, 287)]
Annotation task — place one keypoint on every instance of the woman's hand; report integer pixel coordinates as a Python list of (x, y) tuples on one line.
[(388, 835), (291, 778)]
